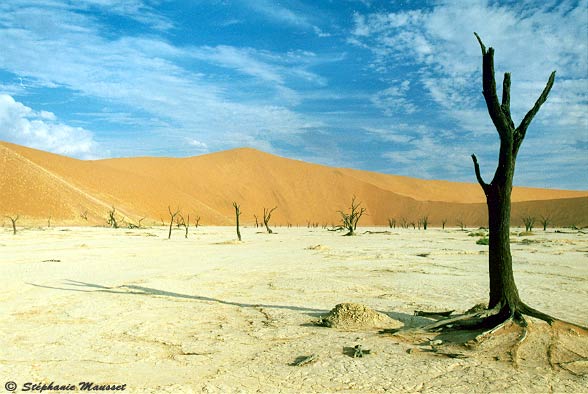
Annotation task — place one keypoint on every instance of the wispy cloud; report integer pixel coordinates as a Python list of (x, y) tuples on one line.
[(531, 40), (394, 100), (144, 73), (283, 15)]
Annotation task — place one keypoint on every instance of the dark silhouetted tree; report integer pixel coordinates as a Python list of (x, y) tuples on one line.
[(237, 214), (392, 223), (13, 220), (349, 220), (504, 303), (171, 221), (184, 223), (112, 221), (267, 214), (545, 221), (529, 222)]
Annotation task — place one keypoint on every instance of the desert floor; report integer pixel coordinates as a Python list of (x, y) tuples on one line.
[(208, 314)]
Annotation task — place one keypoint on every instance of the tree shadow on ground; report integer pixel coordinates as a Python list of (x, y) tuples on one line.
[(147, 291)]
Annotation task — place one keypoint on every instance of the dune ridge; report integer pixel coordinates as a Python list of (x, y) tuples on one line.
[(37, 185)]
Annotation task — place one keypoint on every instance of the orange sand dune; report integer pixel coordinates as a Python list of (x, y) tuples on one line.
[(37, 184)]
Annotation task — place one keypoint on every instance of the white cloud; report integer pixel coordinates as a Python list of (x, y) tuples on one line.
[(22, 125)]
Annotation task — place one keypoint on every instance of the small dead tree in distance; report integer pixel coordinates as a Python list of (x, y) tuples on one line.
[(504, 304), (392, 223), (112, 218), (267, 214), (13, 220), (349, 220), (529, 222), (424, 221), (171, 221), (545, 221), (184, 223), (237, 214)]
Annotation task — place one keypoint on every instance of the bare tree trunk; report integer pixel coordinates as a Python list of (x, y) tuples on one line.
[(504, 302), (13, 220), (503, 290), (237, 214), (112, 218), (267, 214), (171, 221)]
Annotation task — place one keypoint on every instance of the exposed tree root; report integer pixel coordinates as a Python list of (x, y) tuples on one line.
[(492, 320), (472, 329), (514, 352)]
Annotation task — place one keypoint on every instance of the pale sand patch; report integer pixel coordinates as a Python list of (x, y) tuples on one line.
[(200, 315)]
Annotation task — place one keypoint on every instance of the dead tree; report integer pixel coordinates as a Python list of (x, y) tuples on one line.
[(443, 223), (184, 223), (237, 214), (84, 215), (256, 221), (267, 214), (197, 222), (425, 222), (349, 220), (13, 220), (529, 222), (545, 220), (49, 222), (504, 303), (392, 223), (171, 221), (112, 218)]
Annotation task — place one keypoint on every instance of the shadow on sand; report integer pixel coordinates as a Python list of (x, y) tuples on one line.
[(407, 319), (147, 291)]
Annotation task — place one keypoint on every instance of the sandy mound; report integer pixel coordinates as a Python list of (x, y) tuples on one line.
[(357, 316)]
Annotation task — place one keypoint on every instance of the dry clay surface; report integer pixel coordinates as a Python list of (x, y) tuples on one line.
[(207, 314)]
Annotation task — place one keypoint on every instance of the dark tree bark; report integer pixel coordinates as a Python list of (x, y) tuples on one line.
[(237, 214)]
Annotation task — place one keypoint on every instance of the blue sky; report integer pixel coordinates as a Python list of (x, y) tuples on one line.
[(387, 86)]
